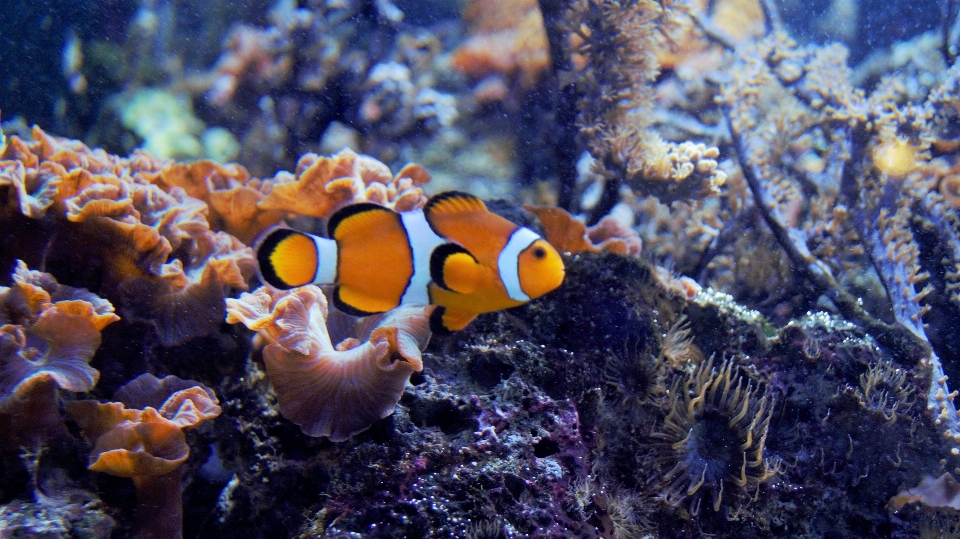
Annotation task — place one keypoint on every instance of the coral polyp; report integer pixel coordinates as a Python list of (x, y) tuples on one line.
[(714, 436)]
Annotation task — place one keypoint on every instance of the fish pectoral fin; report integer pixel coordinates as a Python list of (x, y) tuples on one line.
[(444, 320), (453, 268), (287, 258), (356, 303)]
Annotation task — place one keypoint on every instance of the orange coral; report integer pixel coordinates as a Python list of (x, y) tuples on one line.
[(161, 261), (943, 491), (148, 445), (506, 38), (322, 185), (568, 235), (230, 193), (332, 391), (48, 335)]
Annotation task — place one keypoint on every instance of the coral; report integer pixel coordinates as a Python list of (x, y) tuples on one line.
[(57, 519), (568, 235), (252, 56), (161, 263), (230, 193), (334, 391), (48, 335), (940, 491), (619, 44), (505, 38), (856, 212), (321, 185), (148, 445), (395, 105), (714, 435), (166, 124)]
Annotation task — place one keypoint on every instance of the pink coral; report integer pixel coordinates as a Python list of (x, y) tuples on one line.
[(327, 390), (48, 335)]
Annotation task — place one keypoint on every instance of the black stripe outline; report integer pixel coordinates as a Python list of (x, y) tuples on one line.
[(436, 322)]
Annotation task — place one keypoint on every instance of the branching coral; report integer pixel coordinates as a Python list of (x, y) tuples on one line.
[(48, 335), (714, 435), (148, 445), (334, 391), (857, 210), (619, 41)]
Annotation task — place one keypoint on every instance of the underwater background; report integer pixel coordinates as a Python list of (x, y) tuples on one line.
[(757, 202)]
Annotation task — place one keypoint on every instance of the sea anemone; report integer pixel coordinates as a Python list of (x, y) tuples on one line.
[(885, 389), (633, 374), (713, 435)]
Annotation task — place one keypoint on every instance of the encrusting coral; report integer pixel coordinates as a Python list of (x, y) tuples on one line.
[(334, 391), (147, 444), (48, 335)]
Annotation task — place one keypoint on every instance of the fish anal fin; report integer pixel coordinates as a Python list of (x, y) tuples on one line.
[(356, 303), (444, 320), (453, 268)]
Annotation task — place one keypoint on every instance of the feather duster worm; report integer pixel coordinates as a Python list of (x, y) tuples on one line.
[(48, 335), (148, 445), (327, 390)]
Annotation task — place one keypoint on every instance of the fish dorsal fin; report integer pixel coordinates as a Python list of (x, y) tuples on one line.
[(444, 321), (453, 268), (360, 220), (453, 202)]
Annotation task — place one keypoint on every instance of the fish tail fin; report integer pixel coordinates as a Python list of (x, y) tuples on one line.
[(287, 258)]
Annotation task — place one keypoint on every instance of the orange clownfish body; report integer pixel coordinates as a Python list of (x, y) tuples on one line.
[(453, 253)]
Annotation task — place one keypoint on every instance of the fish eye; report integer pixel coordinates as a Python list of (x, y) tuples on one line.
[(539, 253)]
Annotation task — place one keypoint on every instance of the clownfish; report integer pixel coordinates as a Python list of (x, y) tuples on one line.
[(453, 253)]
